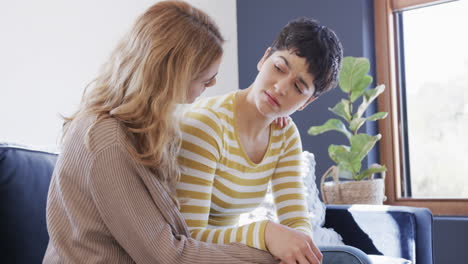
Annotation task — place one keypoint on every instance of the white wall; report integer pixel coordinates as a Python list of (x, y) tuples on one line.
[(50, 50)]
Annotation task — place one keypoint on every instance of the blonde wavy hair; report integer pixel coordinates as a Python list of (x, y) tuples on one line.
[(148, 74)]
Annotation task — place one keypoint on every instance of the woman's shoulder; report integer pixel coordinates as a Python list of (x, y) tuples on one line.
[(96, 133)]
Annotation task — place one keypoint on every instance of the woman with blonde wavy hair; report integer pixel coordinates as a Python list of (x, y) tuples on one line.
[(111, 194)]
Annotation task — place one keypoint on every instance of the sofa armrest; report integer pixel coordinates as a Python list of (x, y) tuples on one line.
[(397, 231)]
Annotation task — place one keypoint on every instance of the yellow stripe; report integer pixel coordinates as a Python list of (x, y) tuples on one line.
[(242, 195), (196, 223), (291, 208), (250, 235), (216, 235), (287, 197), (289, 163), (225, 205), (239, 167), (293, 142), (290, 132), (194, 209), (194, 232), (205, 119), (261, 237), (239, 234), (194, 180), (287, 174), (243, 182), (205, 235), (195, 165), (227, 236), (199, 133), (298, 219), (286, 185), (192, 194), (197, 150), (295, 151)]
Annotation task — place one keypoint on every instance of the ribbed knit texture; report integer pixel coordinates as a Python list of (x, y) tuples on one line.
[(219, 181), (104, 207)]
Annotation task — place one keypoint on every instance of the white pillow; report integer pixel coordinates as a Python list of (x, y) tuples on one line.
[(322, 236)]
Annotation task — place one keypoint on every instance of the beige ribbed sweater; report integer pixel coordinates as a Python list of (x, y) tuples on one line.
[(104, 207)]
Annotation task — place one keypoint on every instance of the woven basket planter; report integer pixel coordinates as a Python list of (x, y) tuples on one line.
[(370, 191)]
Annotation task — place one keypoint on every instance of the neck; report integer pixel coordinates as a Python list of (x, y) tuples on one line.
[(250, 121)]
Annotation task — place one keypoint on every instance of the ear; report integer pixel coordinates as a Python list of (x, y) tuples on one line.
[(311, 99), (263, 59)]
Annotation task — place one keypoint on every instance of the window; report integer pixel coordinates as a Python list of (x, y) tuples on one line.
[(422, 57)]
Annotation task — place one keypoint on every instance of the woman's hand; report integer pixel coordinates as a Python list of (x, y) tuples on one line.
[(281, 121), (291, 246)]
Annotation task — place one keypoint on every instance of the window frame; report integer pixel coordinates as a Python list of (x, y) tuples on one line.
[(391, 151)]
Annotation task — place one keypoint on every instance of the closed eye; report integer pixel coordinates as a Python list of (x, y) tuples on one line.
[(298, 88), (278, 68)]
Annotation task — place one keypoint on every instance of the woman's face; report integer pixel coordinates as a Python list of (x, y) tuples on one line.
[(283, 84), (205, 80)]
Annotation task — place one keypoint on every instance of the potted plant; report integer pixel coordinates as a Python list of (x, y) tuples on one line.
[(360, 185)]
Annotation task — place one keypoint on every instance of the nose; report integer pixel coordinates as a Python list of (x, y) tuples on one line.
[(282, 86)]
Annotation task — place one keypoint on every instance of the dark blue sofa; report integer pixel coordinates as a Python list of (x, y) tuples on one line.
[(404, 232)]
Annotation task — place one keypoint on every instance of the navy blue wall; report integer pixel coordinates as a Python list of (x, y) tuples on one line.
[(352, 20)]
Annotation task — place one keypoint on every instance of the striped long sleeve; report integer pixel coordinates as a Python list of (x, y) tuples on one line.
[(219, 182), (287, 185)]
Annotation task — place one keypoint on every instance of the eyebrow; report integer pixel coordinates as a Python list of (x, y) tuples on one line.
[(300, 78)]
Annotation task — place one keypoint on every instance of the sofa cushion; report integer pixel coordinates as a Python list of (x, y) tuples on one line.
[(24, 182)]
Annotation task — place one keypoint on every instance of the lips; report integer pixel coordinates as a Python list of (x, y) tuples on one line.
[(272, 99)]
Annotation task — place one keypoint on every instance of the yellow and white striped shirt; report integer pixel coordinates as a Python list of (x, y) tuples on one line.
[(219, 181)]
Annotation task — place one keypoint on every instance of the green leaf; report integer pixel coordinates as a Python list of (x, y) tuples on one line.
[(361, 144), (367, 173), (345, 159), (360, 87), (369, 97), (332, 124), (343, 109), (352, 71), (377, 116), (356, 124), (336, 152)]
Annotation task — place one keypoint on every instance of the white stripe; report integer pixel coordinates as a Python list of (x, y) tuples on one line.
[(288, 168), (197, 174), (201, 143), (197, 158), (230, 200), (193, 187), (232, 211), (290, 202), (221, 237), (192, 216), (233, 235), (256, 237), (288, 191), (286, 180), (209, 239), (244, 234), (291, 215), (276, 145), (246, 175), (195, 202), (241, 188), (225, 111)]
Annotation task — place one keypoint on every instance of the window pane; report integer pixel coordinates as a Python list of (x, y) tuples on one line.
[(436, 72)]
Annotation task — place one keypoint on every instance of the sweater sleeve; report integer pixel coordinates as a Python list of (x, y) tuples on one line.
[(136, 223), (287, 186), (202, 148)]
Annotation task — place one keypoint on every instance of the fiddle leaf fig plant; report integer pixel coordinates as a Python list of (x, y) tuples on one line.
[(353, 80)]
